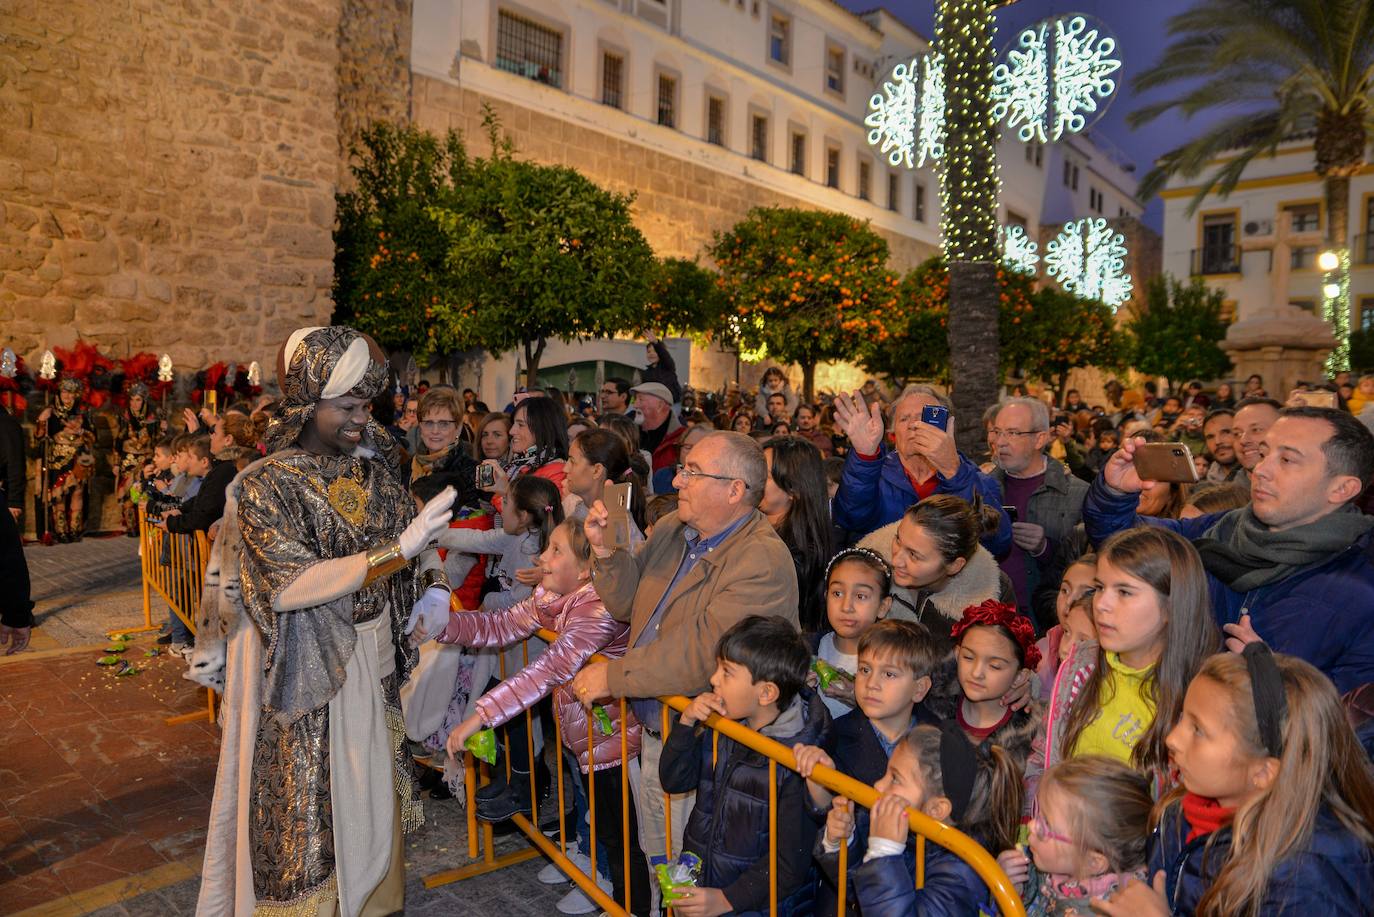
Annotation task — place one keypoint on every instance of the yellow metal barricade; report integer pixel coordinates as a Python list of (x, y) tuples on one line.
[(480, 833), (178, 582)]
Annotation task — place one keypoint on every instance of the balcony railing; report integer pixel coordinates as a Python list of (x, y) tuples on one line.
[(1215, 259)]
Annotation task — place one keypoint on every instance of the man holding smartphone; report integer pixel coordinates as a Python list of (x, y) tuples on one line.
[(1295, 568), (1048, 501), (880, 481)]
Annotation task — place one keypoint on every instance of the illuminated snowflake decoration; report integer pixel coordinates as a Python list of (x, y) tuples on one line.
[(1083, 64), (908, 116), (1048, 88), (1018, 251), (1020, 87), (1088, 258), (930, 130)]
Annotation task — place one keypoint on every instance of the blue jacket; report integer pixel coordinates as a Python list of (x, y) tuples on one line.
[(1323, 614), (886, 886), (1333, 876), (728, 827), (875, 492)]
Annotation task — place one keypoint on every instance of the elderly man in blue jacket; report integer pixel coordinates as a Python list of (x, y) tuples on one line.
[(879, 482), (1295, 568)]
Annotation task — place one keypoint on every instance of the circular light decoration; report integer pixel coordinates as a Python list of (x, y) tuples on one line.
[(907, 116), (1088, 258), (1056, 79)]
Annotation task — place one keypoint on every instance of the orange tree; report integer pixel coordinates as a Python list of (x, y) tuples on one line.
[(1044, 333), (685, 299), (389, 255), (534, 253), (1059, 333), (807, 286)]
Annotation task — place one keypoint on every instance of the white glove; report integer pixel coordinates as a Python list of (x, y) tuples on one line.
[(430, 612), (433, 518)]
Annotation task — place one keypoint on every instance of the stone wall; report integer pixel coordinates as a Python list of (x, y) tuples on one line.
[(679, 204), (374, 71), (167, 174)]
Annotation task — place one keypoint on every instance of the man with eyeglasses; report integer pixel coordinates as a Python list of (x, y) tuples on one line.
[(1048, 503), (880, 481), (615, 396), (702, 569)]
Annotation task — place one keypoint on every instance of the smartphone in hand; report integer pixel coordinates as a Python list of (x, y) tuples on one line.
[(1169, 462), (936, 415), (617, 499)]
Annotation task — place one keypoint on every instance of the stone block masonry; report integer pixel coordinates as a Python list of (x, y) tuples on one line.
[(167, 174)]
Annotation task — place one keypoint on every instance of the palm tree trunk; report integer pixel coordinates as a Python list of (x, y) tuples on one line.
[(1337, 190), (964, 31)]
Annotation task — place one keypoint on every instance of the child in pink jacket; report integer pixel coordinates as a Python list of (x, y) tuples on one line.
[(567, 604)]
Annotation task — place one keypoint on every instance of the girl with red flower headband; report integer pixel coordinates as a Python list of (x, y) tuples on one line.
[(993, 643)]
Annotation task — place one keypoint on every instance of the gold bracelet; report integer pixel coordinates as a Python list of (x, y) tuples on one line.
[(384, 561), (434, 576)]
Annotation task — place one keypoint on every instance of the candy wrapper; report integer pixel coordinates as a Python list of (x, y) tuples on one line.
[(826, 673), (676, 874), (603, 720), (483, 745)]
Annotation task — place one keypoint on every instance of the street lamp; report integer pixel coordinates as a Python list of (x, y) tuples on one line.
[(1328, 260), (1331, 290)]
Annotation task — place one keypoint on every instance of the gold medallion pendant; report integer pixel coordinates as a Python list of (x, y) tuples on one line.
[(348, 499)]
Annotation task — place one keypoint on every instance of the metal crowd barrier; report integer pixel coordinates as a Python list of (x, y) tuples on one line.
[(480, 836), (178, 583)]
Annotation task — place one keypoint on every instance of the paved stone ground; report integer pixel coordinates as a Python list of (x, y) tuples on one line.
[(104, 804), (85, 589)]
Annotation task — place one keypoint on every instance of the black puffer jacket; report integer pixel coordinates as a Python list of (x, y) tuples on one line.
[(729, 826)]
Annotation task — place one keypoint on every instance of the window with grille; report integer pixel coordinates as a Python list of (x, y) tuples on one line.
[(613, 80), (715, 120), (1367, 314), (1074, 183), (832, 167), (780, 39), (529, 49), (1304, 217), (865, 176), (758, 138), (798, 163), (667, 100), (894, 191), (834, 69), (919, 210)]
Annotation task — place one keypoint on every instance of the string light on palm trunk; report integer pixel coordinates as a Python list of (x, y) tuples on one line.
[(1336, 306)]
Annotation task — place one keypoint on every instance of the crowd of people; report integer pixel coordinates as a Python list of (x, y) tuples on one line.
[(1141, 696)]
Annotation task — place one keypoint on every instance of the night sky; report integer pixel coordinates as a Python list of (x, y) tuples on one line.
[(1139, 28)]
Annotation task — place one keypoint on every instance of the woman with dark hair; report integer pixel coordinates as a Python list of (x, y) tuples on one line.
[(796, 503), (538, 445), (596, 458)]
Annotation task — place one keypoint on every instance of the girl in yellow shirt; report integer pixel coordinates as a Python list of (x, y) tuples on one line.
[(1120, 696)]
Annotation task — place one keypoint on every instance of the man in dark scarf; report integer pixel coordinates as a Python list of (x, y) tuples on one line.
[(1295, 568)]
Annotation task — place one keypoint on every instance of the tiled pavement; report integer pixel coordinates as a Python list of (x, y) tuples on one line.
[(103, 805)]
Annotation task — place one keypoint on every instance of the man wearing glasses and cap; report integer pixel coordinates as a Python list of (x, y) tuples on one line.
[(704, 568), (659, 432)]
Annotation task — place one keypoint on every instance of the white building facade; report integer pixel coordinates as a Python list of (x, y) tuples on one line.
[(1260, 245), (704, 109)]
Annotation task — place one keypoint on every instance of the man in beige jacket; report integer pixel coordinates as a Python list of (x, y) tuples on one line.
[(714, 562)]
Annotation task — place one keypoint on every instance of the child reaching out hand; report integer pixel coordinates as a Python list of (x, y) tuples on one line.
[(567, 603)]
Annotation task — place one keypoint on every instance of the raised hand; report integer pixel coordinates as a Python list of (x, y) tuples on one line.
[(862, 423)]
